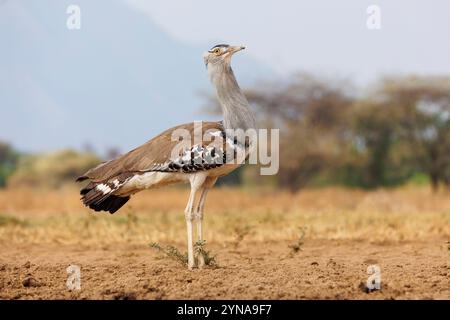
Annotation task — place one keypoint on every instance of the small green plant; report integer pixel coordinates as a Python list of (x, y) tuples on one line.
[(199, 249), (297, 246), (171, 252)]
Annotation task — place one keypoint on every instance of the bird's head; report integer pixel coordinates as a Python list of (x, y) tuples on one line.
[(220, 55)]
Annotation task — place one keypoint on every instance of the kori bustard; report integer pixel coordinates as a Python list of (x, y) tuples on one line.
[(155, 163)]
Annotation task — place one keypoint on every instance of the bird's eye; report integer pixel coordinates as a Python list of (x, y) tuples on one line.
[(216, 51)]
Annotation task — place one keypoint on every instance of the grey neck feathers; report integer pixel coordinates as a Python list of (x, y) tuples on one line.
[(235, 107)]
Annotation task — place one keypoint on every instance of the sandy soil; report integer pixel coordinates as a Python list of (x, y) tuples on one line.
[(323, 269)]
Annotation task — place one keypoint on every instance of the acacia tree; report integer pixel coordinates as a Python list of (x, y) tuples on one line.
[(311, 114), (379, 157), (424, 103)]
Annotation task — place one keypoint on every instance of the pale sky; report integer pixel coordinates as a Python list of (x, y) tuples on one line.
[(329, 37), (67, 88)]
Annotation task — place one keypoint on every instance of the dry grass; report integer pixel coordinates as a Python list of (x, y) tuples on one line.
[(232, 215)]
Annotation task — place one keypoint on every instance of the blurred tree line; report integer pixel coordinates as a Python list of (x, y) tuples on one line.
[(8, 162), (330, 134), (50, 170)]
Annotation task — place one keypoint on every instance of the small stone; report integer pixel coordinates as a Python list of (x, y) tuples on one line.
[(125, 296), (30, 282)]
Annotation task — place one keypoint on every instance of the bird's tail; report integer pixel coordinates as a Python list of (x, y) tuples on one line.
[(99, 197)]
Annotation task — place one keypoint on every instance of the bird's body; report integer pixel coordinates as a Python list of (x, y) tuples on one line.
[(201, 158), (151, 165)]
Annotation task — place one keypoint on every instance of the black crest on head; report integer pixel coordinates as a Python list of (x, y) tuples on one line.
[(219, 46)]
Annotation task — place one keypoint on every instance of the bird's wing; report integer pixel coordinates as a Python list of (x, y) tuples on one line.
[(171, 151), (165, 153)]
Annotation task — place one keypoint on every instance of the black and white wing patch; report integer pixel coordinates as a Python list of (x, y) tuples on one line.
[(100, 195), (200, 157)]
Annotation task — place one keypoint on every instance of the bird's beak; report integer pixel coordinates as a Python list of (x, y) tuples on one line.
[(234, 49)]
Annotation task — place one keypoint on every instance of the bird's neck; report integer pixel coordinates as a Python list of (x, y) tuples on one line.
[(235, 107)]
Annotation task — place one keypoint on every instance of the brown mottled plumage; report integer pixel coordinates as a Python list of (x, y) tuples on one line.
[(145, 158)]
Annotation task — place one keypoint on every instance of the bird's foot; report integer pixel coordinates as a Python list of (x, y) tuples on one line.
[(200, 261), (200, 253)]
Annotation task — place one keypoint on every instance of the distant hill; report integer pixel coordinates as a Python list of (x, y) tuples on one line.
[(116, 82)]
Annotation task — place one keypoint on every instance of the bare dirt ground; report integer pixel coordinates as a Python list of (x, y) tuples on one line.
[(323, 270), (256, 237)]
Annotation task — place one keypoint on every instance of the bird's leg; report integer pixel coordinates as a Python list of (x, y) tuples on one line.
[(189, 215), (199, 216), (197, 182), (199, 220)]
